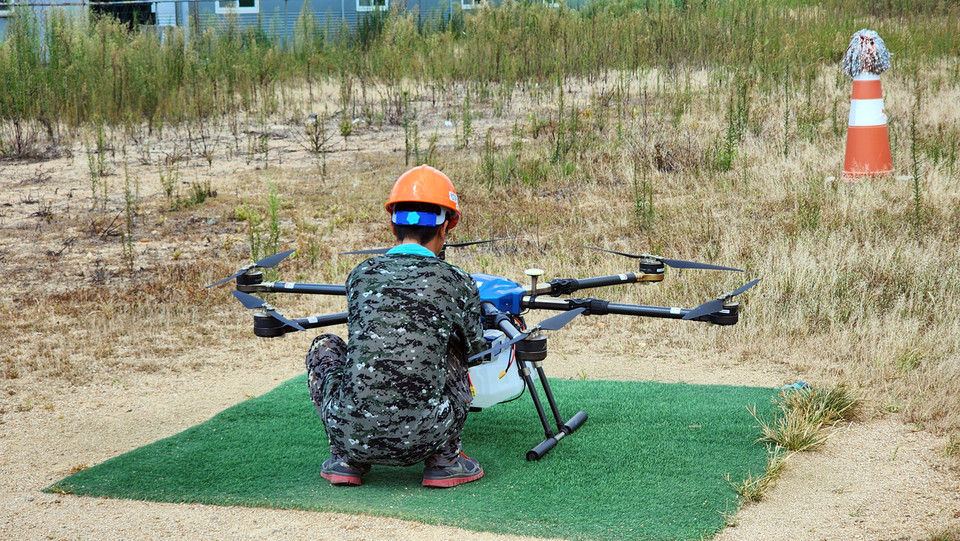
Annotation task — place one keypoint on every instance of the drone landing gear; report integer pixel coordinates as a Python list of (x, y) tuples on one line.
[(530, 354)]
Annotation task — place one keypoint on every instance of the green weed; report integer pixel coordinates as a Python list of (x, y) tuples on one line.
[(952, 448), (756, 486), (465, 127), (643, 210), (804, 415), (130, 207)]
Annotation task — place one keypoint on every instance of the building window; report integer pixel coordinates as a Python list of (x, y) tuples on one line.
[(373, 5), (238, 6), (470, 4), (131, 14), (6, 7)]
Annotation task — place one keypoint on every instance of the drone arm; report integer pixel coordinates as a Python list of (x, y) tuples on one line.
[(647, 311), (590, 306), (496, 319), (269, 327), (293, 287), (312, 322), (565, 286), (727, 316)]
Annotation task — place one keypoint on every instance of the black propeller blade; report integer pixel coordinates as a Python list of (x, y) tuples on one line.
[(264, 263), (253, 303), (743, 288), (675, 263), (714, 306), (445, 246), (554, 323), (272, 260), (558, 321), (497, 349), (472, 242)]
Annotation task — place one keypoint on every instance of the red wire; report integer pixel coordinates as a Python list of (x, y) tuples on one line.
[(513, 350)]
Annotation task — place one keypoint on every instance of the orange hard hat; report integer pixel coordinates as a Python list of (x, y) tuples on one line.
[(424, 184)]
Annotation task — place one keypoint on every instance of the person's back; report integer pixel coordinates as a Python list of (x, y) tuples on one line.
[(406, 316)]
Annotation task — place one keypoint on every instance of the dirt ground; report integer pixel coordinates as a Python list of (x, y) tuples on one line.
[(876, 478)]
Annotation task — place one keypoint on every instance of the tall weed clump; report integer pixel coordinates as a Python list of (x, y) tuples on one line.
[(83, 69), (804, 416), (25, 102)]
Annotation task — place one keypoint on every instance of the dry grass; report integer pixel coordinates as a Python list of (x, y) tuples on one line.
[(947, 533), (805, 416), (803, 420), (858, 285), (755, 487)]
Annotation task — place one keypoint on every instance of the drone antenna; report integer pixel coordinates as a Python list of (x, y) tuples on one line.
[(534, 274)]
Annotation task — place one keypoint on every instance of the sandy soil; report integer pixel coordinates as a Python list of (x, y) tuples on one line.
[(875, 479)]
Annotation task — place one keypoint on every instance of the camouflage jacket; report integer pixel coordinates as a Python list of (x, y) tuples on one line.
[(406, 315)]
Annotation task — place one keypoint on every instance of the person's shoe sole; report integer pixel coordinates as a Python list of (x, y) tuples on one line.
[(451, 482), (342, 480)]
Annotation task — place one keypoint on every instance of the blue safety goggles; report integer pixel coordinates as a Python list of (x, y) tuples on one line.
[(423, 219)]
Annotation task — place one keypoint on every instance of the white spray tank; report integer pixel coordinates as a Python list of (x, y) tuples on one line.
[(497, 379)]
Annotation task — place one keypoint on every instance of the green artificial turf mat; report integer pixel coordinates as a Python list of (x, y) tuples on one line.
[(648, 464)]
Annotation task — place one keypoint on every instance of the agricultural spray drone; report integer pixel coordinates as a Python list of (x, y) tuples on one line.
[(515, 354)]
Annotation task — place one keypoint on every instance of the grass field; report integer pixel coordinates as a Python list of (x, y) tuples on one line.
[(140, 171)]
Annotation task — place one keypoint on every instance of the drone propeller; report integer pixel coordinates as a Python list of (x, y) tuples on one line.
[(445, 246), (472, 242), (675, 263), (554, 323), (264, 263), (714, 306), (253, 303)]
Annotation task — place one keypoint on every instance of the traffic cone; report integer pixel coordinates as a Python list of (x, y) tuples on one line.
[(868, 143)]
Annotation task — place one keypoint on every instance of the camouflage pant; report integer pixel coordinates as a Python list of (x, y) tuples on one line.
[(328, 353)]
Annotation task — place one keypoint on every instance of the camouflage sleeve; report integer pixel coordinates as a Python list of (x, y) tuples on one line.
[(472, 322)]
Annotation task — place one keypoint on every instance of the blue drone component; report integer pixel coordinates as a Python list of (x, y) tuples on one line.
[(503, 293)]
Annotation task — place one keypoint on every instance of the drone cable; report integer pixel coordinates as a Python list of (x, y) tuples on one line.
[(513, 356), (522, 326)]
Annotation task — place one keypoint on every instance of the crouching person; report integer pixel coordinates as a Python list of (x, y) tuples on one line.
[(397, 393)]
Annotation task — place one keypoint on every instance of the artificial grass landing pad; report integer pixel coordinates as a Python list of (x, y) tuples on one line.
[(649, 463)]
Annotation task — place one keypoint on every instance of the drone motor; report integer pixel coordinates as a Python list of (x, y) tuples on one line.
[(651, 269), (267, 326), (532, 348), (249, 278)]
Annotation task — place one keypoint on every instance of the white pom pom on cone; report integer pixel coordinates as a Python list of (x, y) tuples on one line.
[(868, 142)]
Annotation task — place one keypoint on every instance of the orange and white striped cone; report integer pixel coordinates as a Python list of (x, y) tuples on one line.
[(868, 143)]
